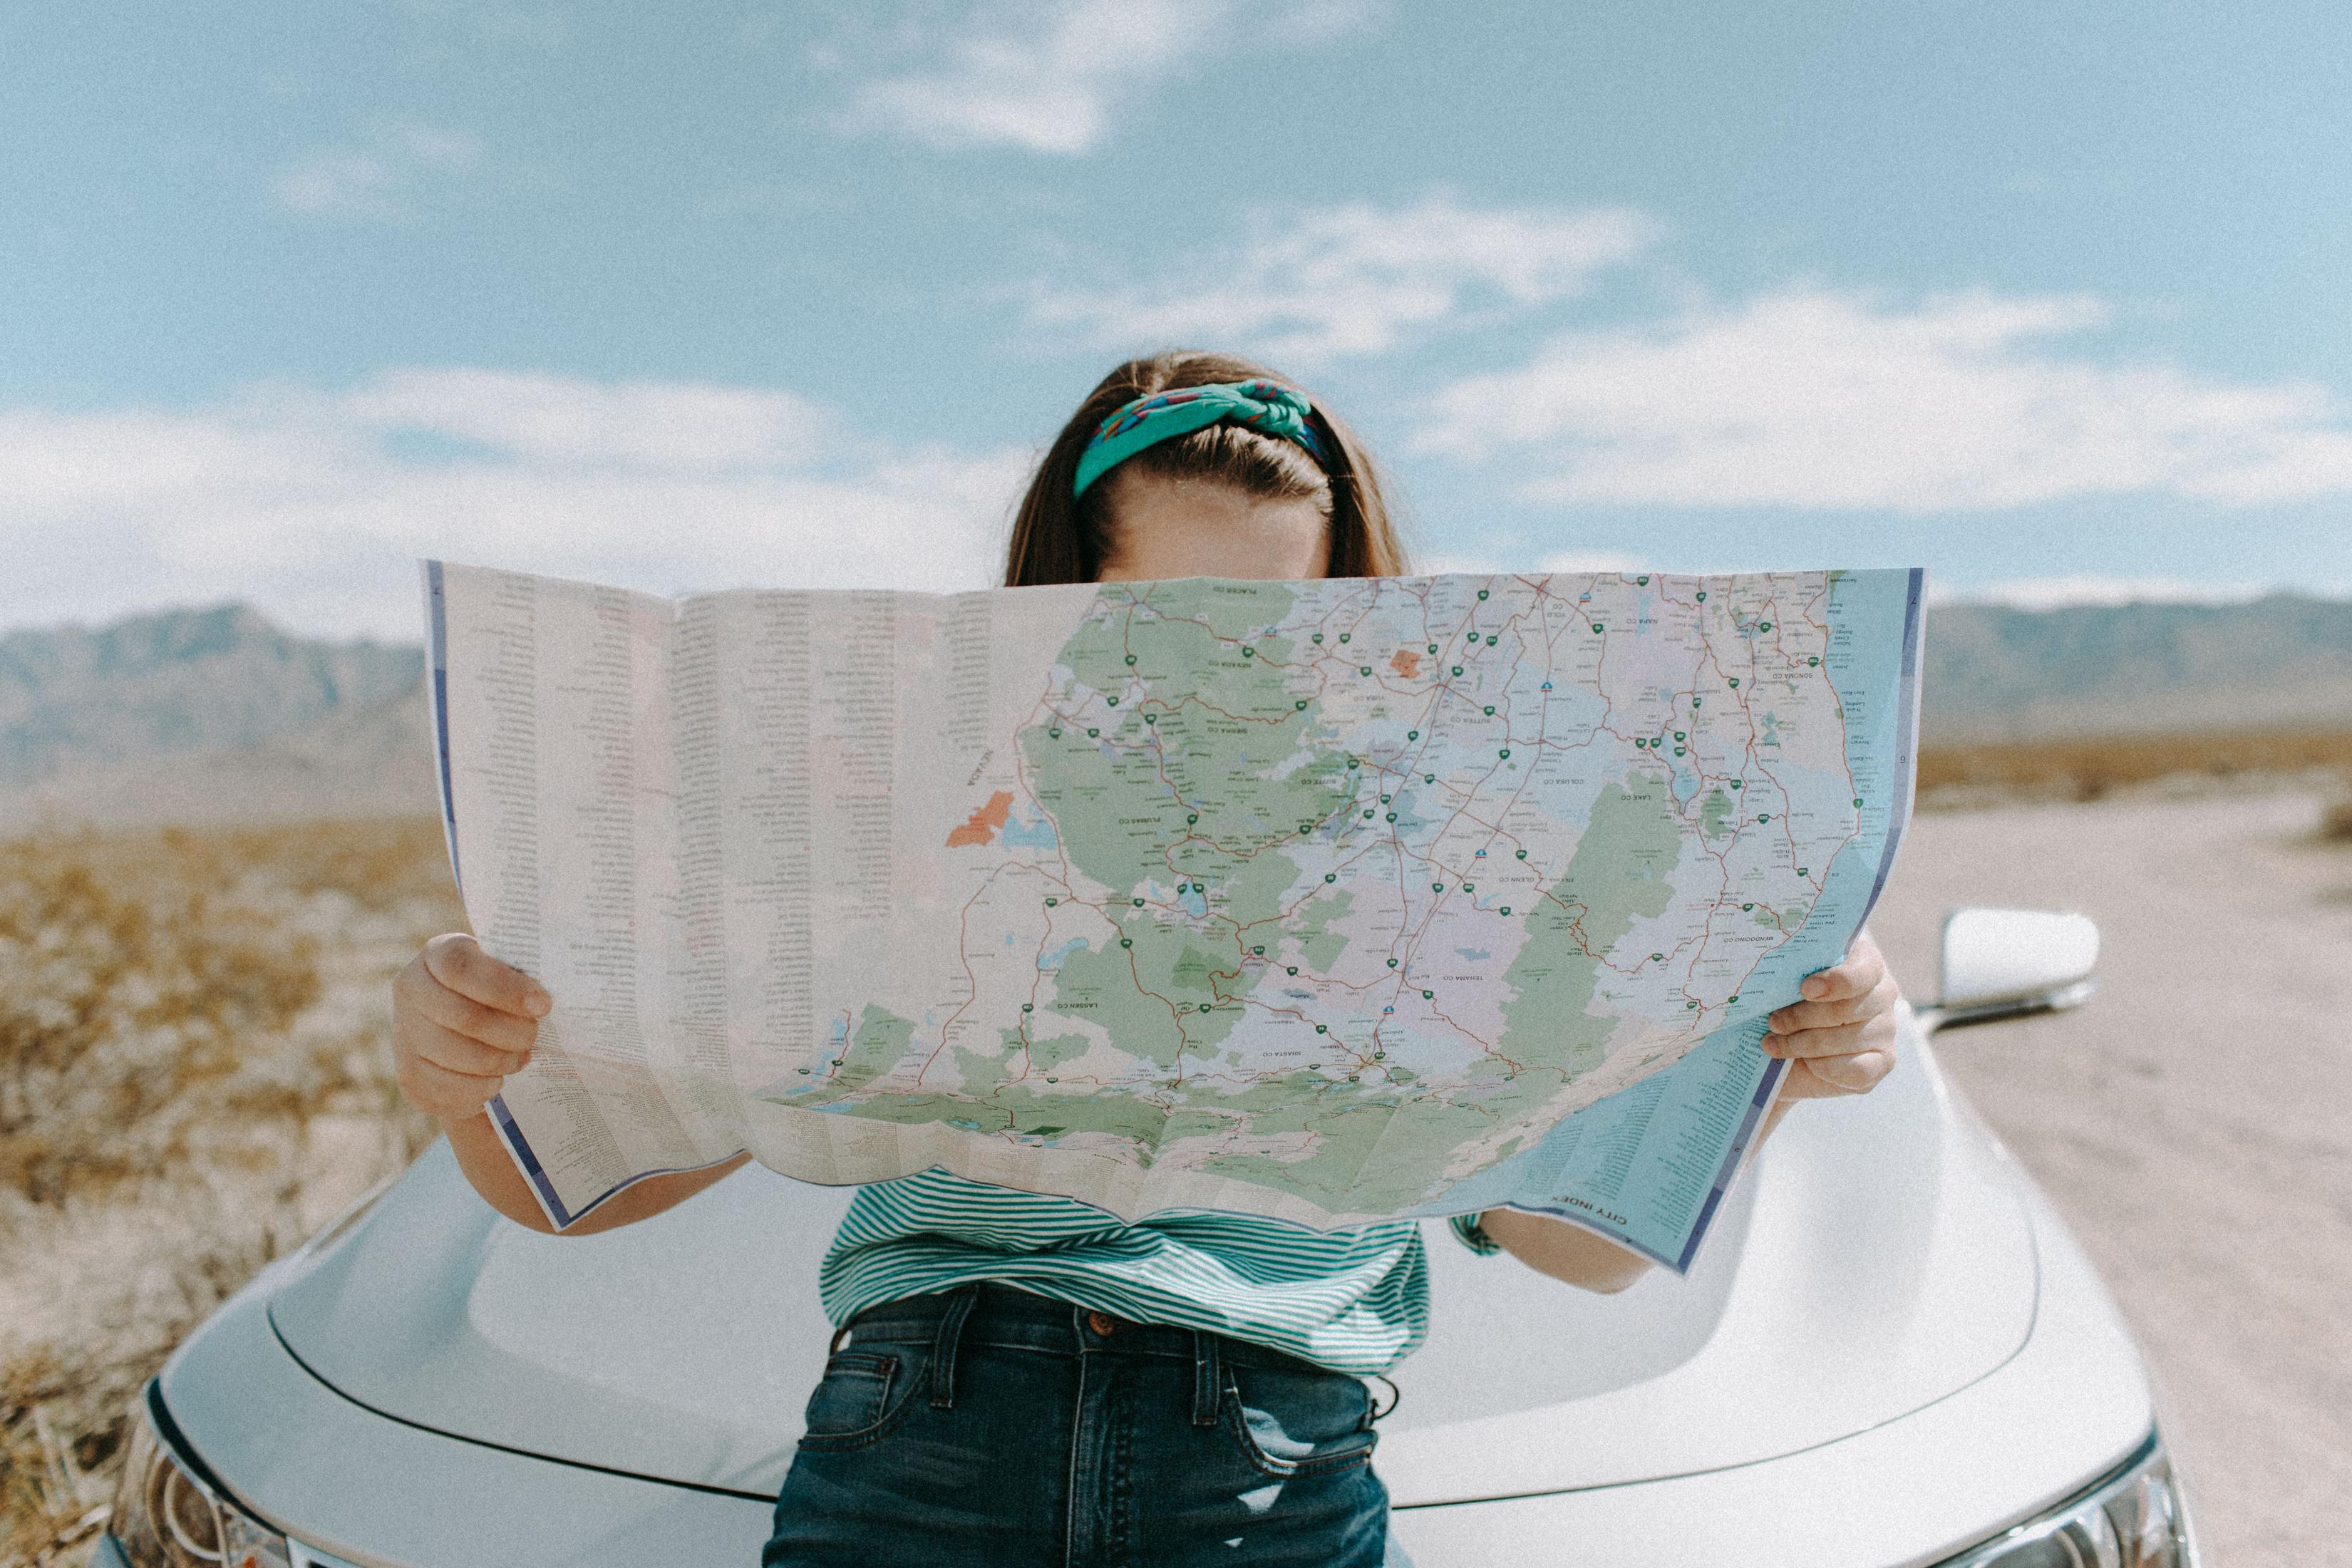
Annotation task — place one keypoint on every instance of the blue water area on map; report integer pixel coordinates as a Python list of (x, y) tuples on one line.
[(1195, 902), (1407, 816), (1473, 953), (1054, 959), (1018, 834)]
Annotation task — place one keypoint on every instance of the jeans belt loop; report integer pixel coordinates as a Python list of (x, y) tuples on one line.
[(1205, 1380), (943, 1348)]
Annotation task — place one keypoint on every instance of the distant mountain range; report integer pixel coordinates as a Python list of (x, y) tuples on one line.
[(2282, 662), (215, 715), (208, 715)]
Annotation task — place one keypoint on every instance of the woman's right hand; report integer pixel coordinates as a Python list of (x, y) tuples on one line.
[(461, 1021)]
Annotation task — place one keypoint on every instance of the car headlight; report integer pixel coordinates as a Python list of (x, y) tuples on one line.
[(2131, 1518), (169, 1514)]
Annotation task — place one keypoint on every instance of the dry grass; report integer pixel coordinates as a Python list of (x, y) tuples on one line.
[(193, 1075), (2091, 769)]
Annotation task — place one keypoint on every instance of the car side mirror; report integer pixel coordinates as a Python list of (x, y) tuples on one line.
[(2007, 964)]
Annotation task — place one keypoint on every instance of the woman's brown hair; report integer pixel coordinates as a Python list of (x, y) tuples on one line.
[(1061, 538)]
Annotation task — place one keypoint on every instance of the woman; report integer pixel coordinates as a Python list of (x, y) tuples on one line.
[(1017, 1379)]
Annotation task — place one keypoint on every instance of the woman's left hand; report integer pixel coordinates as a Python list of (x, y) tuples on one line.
[(1841, 1038)]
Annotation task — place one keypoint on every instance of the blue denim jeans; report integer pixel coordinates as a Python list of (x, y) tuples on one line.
[(987, 1427)]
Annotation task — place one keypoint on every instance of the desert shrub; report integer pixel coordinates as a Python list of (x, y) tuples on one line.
[(194, 1072), (380, 864), (117, 1003), (2093, 767)]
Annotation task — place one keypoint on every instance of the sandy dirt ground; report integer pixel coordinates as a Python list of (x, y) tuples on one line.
[(2194, 1122)]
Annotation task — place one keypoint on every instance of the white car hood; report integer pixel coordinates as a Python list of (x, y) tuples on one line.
[(1876, 1259)]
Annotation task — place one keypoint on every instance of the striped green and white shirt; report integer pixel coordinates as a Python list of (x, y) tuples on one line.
[(1354, 1301)]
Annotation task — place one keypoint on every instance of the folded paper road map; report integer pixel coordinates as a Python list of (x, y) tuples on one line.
[(1331, 901)]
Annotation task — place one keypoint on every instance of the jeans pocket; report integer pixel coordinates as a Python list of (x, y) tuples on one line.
[(855, 1398), (1298, 1422)]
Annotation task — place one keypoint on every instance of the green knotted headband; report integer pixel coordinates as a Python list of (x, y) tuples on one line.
[(1261, 404)]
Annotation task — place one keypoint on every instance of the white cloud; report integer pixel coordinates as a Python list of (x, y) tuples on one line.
[(1811, 398), (1051, 76), (380, 182), (312, 505), (550, 418), (338, 183), (1351, 279)]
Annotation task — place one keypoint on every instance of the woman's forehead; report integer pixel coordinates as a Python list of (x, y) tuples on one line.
[(1138, 489), (1162, 528)]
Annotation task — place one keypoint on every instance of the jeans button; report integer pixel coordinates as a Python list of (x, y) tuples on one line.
[(1101, 1323)]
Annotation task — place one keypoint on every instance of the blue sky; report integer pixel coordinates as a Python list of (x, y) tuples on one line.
[(2050, 299)]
